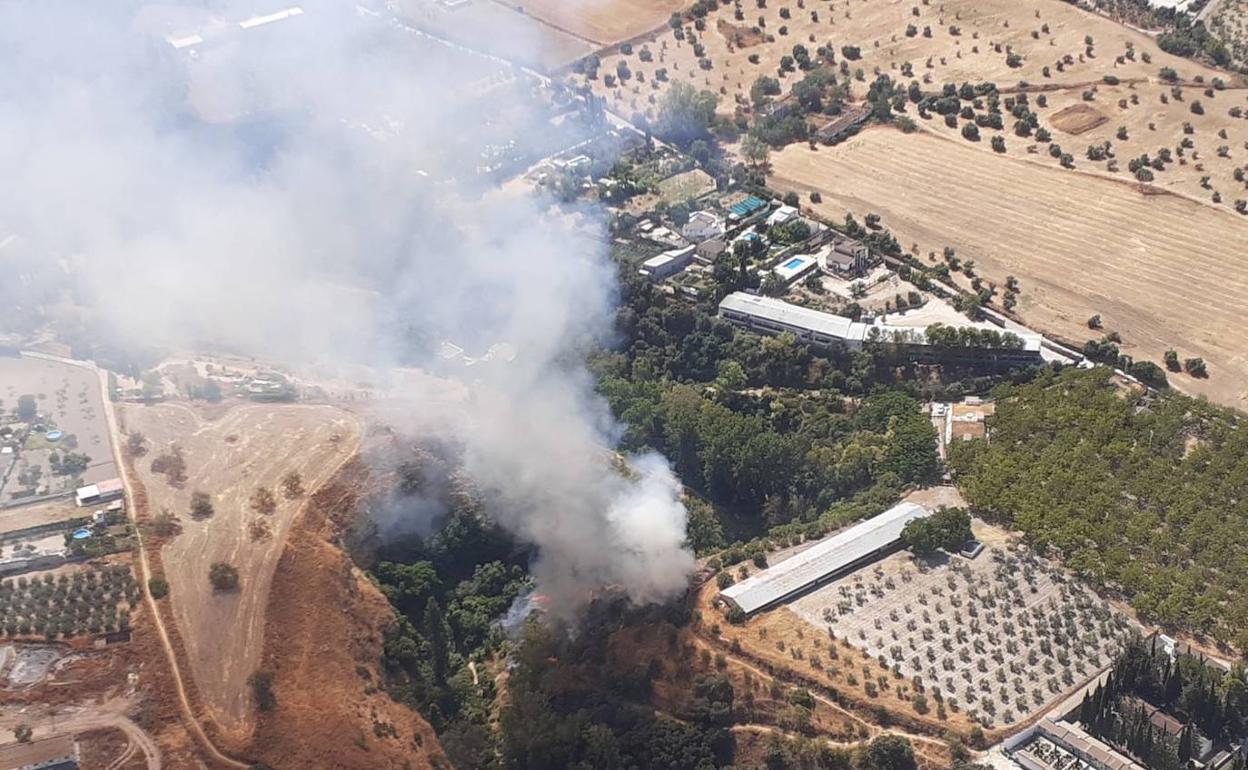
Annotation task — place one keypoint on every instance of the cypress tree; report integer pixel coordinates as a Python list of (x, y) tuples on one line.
[(1185, 744), (438, 634), (1086, 710)]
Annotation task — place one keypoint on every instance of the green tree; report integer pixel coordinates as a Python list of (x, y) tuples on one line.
[(685, 114), (158, 587), (755, 150), (27, 408), (438, 634), (890, 752), (262, 690)]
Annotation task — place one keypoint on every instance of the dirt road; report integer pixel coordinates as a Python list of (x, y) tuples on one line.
[(110, 715)]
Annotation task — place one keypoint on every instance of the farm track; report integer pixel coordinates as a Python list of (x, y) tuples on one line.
[(184, 703)]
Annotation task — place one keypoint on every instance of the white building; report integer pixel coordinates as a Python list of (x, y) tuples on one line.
[(667, 264), (702, 226), (766, 315), (829, 558), (102, 492), (782, 215)]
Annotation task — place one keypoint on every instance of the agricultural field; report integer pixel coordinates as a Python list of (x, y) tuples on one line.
[(987, 32), (1194, 137), (498, 29), (605, 22), (1106, 76), (1064, 236), (228, 458), (999, 636), (69, 604)]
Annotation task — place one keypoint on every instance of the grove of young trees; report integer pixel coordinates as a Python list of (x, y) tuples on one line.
[(1150, 501)]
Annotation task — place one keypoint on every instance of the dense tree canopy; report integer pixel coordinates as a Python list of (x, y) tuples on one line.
[(1148, 500)]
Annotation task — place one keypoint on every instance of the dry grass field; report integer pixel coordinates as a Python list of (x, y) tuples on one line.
[(1050, 36), (498, 29), (1146, 118), (605, 22), (878, 29), (1161, 270), (229, 456)]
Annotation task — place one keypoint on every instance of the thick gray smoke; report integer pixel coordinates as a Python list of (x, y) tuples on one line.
[(308, 189)]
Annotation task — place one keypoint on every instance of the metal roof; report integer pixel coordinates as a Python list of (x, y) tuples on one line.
[(774, 310), (801, 318), (822, 559)]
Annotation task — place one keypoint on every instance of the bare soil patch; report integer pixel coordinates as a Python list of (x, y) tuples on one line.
[(222, 632), (739, 35), (322, 641), (1162, 270), (1077, 119)]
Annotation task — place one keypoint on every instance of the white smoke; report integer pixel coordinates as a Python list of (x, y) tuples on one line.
[(306, 191)]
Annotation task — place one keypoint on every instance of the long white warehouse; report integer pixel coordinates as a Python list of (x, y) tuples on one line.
[(766, 315), (827, 559)]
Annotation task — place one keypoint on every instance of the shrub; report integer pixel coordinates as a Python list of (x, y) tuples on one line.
[(223, 576), (201, 505), (262, 690), (158, 587)]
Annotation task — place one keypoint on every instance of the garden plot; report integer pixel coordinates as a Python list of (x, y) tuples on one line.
[(999, 637)]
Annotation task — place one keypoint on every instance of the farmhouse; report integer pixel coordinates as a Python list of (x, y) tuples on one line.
[(844, 256), (824, 561), (707, 251), (102, 492), (765, 315)]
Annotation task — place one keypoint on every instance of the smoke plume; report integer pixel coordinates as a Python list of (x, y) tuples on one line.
[(307, 187)]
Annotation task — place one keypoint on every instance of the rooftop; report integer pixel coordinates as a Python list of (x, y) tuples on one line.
[(784, 313), (822, 559)]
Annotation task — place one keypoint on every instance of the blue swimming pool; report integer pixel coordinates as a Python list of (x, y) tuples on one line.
[(82, 534), (794, 263)]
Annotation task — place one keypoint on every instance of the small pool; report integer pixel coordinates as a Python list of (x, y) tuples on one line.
[(82, 534), (794, 263), (53, 435)]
